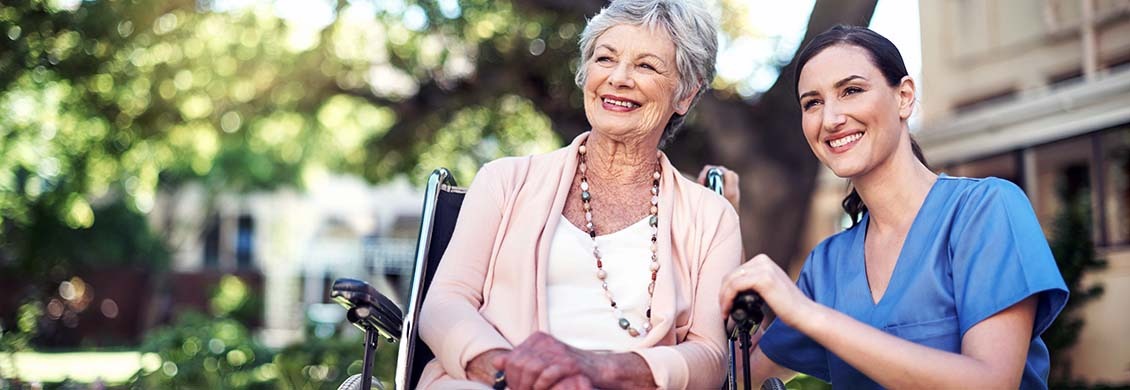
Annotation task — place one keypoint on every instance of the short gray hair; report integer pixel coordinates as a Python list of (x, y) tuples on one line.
[(693, 31)]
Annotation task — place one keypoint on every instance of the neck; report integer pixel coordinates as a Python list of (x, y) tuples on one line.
[(619, 162), (895, 191)]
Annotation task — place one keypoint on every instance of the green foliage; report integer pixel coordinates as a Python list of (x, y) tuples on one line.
[(17, 339), (214, 352), (504, 128), (232, 299), (123, 99), (805, 382), (205, 353), (218, 352), (110, 103), (324, 364), (120, 238), (1074, 252)]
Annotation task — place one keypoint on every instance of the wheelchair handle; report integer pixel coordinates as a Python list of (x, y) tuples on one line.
[(715, 180)]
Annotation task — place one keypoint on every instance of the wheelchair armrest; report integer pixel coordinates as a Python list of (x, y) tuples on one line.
[(382, 313)]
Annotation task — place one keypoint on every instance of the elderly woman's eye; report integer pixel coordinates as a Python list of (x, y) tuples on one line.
[(603, 59), (647, 66)]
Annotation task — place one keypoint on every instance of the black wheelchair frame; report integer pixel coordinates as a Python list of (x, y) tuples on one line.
[(380, 318), (442, 202)]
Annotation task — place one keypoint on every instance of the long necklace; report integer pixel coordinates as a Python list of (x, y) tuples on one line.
[(601, 274)]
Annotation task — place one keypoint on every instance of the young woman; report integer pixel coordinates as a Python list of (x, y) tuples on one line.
[(943, 282)]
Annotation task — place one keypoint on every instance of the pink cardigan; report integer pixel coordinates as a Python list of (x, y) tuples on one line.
[(489, 291)]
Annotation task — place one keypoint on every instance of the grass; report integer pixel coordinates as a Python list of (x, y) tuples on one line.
[(83, 367)]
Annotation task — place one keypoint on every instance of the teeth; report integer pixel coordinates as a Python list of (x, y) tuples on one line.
[(845, 140), (620, 103)]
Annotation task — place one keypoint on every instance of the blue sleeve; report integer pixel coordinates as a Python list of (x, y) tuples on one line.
[(1001, 256), (789, 347)]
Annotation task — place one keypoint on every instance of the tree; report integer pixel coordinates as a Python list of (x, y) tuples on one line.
[(759, 139), (111, 102)]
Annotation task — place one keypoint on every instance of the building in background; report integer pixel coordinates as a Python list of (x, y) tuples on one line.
[(1038, 92), (290, 246)]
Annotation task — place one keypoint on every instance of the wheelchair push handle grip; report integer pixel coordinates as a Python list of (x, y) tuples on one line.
[(366, 305), (747, 308), (715, 180)]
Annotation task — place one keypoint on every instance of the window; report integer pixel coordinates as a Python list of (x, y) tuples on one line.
[(327, 283), (1060, 14), (1005, 166), (1066, 79), (1016, 22), (1089, 172), (1110, 7), (1116, 186), (212, 243), (991, 99), (1063, 179), (969, 21), (244, 241)]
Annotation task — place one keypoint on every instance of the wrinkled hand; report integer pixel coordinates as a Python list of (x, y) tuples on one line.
[(732, 189), (543, 362), (480, 368), (763, 276)]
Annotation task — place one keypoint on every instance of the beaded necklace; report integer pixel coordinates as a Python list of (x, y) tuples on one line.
[(601, 274)]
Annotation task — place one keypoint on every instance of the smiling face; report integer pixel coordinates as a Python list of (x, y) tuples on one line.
[(853, 119), (630, 84)]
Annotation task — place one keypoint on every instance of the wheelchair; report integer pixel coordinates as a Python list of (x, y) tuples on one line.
[(379, 318)]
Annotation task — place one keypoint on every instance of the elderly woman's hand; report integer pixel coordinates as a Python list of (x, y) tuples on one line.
[(543, 362), (481, 369), (761, 275), (732, 190)]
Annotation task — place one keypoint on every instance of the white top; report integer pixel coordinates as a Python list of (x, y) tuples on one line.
[(579, 313)]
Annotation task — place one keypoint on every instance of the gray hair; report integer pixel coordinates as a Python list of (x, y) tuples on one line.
[(693, 31)]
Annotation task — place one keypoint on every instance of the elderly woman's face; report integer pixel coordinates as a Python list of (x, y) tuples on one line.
[(631, 81)]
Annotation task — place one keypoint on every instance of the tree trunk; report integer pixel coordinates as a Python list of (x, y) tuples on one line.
[(762, 141)]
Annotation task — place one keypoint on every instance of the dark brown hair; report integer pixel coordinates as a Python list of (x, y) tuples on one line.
[(885, 56)]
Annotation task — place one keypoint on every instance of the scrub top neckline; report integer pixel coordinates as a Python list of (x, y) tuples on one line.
[(910, 241)]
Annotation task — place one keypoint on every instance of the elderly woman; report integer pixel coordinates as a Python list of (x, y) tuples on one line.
[(597, 264)]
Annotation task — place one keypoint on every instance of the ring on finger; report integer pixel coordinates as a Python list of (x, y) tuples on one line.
[(499, 380)]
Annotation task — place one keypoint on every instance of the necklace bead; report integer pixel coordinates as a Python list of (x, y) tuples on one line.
[(601, 274)]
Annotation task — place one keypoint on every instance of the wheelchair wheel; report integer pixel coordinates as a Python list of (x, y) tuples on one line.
[(773, 384)]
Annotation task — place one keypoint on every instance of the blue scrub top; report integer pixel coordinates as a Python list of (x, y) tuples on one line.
[(975, 248)]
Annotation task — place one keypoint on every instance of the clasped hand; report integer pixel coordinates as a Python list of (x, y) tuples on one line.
[(542, 362)]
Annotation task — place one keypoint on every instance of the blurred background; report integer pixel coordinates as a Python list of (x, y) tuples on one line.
[(181, 181)]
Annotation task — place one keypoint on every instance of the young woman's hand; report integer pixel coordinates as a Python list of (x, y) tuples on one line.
[(761, 275)]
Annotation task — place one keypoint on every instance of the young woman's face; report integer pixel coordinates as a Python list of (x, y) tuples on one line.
[(630, 85), (853, 120)]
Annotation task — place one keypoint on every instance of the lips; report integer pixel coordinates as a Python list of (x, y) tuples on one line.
[(843, 142), (617, 103)]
